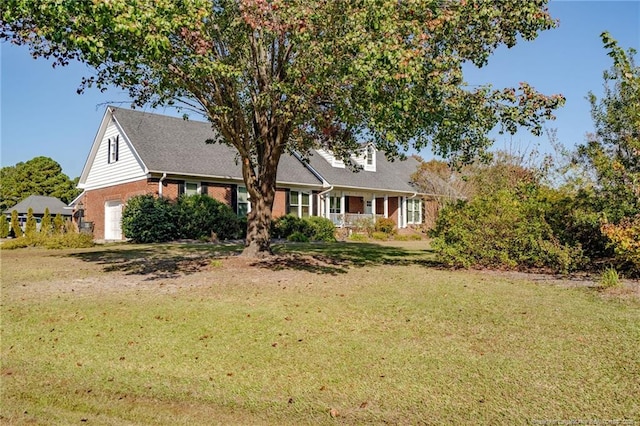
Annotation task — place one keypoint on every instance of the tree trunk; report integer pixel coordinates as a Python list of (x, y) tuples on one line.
[(258, 242)]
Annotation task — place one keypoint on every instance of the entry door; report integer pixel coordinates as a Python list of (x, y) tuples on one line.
[(113, 220)]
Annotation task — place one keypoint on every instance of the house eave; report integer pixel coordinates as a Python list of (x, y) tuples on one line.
[(378, 190), (226, 178)]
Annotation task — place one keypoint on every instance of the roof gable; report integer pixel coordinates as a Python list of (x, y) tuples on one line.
[(176, 146)]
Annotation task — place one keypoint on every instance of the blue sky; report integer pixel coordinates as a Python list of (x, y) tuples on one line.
[(41, 113)]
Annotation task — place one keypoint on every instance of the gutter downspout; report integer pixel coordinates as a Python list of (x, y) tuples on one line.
[(164, 176), (325, 191)]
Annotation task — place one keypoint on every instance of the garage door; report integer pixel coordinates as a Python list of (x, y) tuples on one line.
[(113, 220)]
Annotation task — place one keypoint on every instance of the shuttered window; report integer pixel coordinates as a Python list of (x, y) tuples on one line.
[(113, 149), (299, 203)]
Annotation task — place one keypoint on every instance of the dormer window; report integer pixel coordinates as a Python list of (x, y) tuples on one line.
[(370, 154), (370, 158)]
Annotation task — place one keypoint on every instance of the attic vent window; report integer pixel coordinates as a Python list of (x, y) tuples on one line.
[(370, 156), (113, 148)]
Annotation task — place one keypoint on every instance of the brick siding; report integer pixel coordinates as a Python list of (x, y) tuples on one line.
[(95, 199)]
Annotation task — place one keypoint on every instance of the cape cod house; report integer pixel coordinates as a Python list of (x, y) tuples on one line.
[(137, 152)]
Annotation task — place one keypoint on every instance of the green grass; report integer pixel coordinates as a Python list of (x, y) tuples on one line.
[(373, 334)]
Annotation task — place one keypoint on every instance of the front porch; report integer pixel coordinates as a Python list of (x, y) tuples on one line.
[(348, 209), (351, 220)]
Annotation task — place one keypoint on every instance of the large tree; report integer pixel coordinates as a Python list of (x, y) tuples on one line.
[(38, 176), (612, 153), (274, 75)]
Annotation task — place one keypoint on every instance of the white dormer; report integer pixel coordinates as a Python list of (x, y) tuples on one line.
[(331, 159), (365, 158), (370, 158)]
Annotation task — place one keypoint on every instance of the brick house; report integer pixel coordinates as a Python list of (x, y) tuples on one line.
[(143, 153)]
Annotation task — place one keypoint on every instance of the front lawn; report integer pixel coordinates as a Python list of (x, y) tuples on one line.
[(339, 333)]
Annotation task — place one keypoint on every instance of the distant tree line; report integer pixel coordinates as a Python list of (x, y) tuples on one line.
[(38, 176)]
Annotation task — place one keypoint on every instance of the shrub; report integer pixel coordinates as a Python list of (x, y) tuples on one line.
[(4, 227), (575, 220), (46, 225), (313, 228), (625, 240), (200, 215), (358, 237), (68, 240), (284, 226), (146, 219), (54, 241), (31, 226), (15, 231), (59, 224), (386, 225), (364, 225), (504, 229), (609, 278), (321, 229), (382, 236), (298, 237)]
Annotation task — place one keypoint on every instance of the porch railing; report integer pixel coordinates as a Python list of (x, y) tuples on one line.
[(349, 220)]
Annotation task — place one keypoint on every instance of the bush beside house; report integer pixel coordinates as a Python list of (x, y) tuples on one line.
[(148, 219)]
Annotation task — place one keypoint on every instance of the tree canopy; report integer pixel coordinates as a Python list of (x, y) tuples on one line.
[(38, 176), (274, 75), (613, 151)]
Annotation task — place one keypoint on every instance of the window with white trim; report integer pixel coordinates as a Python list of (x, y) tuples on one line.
[(191, 188), (370, 154), (335, 204), (369, 158), (243, 204), (414, 211), (299, 203)]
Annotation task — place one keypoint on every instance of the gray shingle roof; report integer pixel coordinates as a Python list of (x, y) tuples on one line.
[(389, 176), (39, 203), (177, 146)]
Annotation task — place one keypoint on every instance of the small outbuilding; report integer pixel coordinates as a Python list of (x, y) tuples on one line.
[(38, 203)]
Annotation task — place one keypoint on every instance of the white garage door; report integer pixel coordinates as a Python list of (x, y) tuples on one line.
[(113, 220)]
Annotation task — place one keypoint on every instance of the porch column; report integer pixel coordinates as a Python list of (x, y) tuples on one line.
[(327, 205), (373, 206), (403, 209), (342, 206), (386, 206)]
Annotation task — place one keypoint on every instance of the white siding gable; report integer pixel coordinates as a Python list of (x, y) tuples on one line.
[(104, 171)]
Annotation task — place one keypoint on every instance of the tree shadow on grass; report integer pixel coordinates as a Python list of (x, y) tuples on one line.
[(156, 261), (337, 258), (167, 261)]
